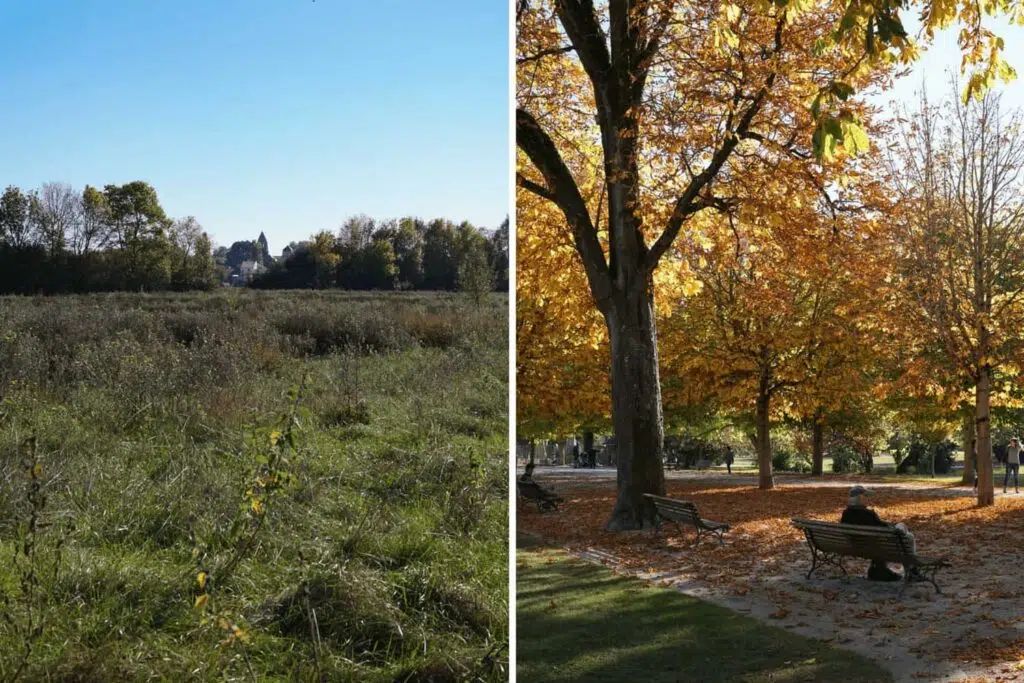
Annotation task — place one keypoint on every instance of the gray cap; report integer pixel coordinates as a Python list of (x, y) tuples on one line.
[(860, 491)]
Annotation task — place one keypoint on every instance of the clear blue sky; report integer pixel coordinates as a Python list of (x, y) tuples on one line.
[(284, 116)]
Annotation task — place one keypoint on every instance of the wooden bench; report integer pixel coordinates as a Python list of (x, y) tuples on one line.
[(831, 542), (684, 512), (545, 500)]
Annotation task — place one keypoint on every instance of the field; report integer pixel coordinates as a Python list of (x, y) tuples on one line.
[(253, 486)]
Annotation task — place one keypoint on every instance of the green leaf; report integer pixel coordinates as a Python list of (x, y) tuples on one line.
[(855, 138), (842, 90), (890, 27)]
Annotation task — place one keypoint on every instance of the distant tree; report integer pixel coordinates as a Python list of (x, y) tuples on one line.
[(193, 259), (15, 227), (139, 225), (134, 212), (408, 247), (498, 248), (55, 211), (239, 253), (378, 265), (440, 256), (476, 277), (92, 230), (325, 258), (357, 232), (201, 271)]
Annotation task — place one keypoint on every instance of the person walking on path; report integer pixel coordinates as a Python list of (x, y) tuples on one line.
[(729, 458), (1012, 464)]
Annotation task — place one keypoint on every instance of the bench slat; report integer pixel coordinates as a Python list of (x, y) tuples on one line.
[(869, 542), (684, 512)]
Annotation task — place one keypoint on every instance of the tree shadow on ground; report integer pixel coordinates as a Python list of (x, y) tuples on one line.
[(979, 603), (579, 622)]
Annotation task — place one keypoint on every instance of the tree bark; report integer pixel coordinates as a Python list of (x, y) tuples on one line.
[(986, 492), (533, 450), (817, 447), (765, 480), (969, 465), (616, 55), (636, 412)]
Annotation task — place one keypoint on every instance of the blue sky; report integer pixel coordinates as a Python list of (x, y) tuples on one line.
[(284, 116)]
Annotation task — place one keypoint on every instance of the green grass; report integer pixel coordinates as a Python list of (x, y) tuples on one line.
[(384, 560), (579, 622)]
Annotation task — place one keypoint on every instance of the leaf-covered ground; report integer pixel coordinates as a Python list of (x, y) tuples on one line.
[(974, 630)]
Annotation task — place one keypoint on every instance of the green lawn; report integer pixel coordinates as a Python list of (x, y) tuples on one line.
[(579, 622)]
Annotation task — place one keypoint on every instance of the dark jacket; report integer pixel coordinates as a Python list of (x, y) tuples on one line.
[(860, 514)]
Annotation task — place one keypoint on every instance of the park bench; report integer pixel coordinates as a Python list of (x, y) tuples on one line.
[(684, 512), (831, 542), (545, 500)]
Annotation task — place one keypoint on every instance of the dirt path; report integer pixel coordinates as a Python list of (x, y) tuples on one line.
[(972, 631)]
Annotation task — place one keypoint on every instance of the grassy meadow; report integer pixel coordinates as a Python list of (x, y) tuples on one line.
[(247, 485)]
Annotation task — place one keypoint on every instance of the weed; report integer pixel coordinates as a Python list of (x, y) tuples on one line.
[(25, 612)]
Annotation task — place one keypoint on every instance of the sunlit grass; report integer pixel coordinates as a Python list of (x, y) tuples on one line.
[(386, 559)]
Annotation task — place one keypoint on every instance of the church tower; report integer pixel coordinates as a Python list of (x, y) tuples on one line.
[(264, 250)]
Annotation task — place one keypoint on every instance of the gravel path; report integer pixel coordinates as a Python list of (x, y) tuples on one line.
[(918, 637)]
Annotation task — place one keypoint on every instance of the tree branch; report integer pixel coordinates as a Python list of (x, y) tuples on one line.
[(536, 188), (687, 203), (545, 53), (561, 186)]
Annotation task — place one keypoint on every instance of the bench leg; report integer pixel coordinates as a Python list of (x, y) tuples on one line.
[(920, 575), (817, 561), (701, 533), (820, 559)]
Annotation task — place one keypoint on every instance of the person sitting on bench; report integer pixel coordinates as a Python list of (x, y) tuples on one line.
[(858, 513)]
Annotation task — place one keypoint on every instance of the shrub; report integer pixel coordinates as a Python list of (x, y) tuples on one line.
[(919, 459), (784, 460), (845, 459)]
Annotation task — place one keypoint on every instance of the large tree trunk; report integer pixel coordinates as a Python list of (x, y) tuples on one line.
[(969, 465), (765, 480), (636, 411), (986, 493), (817, 447)]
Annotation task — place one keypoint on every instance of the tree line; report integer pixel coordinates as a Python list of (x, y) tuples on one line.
[(56, 239), (405, 253)]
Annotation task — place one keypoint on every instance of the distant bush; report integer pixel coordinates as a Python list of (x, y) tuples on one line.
[(919, 458), (687, 452), (784, 460), (845, 459)]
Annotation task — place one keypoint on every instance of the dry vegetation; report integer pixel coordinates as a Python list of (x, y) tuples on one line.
[(355, 529)]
